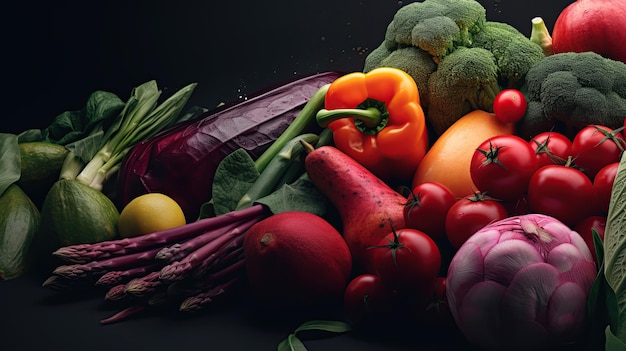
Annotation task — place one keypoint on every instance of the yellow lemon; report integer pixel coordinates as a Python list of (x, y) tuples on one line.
[(149, 213)]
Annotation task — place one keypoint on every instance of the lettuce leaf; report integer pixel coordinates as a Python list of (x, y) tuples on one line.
[(615, 254)]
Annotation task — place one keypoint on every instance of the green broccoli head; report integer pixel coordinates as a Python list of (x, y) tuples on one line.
[(436, 26), (571, 90), (465, 80), (514, 52), (414, 61)]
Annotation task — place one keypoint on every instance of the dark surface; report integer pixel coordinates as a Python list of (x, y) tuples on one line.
[(56, 53)]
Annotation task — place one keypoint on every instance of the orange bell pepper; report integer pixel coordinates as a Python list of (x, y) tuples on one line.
[(376, 118)]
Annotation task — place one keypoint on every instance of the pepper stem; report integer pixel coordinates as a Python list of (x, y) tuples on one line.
[(371, 116)]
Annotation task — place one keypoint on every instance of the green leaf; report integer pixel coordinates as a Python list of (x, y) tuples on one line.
[(234, 175), (597, 300), (291, 343), (615, 253), (30, 135), (613, 343), (87, 147), (301, 195), (101, 108), (323, 325), (10, 162)]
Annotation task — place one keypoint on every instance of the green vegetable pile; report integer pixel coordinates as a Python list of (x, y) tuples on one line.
[(459, 60), (568, 91)]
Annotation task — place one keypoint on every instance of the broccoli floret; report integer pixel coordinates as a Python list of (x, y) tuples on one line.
[(465, 80), (436, 26), (571, 90), (514, 52), (437, 29), (414, 61)]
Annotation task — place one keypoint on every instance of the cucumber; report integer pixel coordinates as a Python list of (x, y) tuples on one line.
[(41, 164), (74, 213), (19, 220)]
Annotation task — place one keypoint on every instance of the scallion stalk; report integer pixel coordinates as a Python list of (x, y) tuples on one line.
[(141, 119)]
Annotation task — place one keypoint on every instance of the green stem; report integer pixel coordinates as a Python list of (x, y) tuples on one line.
[(371, 116), (72, 165), (540, 35), (297, 126), (276, 169)]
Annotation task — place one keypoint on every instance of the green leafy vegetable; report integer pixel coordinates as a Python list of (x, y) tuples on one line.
[(301, 195), (615, 257), (234, 175), (141, 117), (100, 109), (293, 341), (10, 162)]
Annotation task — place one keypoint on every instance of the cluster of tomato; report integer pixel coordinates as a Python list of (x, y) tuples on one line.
[(568, 179)]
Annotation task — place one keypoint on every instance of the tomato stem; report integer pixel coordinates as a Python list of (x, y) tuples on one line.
[(394, 244), (491, 155)]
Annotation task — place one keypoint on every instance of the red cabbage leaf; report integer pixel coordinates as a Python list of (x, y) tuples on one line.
[(181, 161)]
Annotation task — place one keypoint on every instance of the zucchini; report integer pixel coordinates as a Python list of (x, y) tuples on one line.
[(41, 164), (19, 220)]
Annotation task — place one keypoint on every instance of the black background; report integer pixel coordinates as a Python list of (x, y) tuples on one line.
[(55, 53)]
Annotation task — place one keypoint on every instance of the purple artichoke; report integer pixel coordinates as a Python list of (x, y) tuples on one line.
[(521, 283)]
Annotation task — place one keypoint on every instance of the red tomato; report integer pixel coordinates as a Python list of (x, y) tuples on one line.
[(407, 260), (551, 148), (426, 208), (436, 312), (602, 187), (562, 192), (367, 298), (470, 214), (584, 228), (502, 166), (510, 105), (596, 146)]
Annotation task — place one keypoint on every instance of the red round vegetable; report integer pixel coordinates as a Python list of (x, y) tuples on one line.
[(367, 298), (603, 186), (502, 166), (585, 229), (596, 146), (426, 208), (590, 25), (510, 105), (470, 214), (551, 148), (407, 260), (562, 192)]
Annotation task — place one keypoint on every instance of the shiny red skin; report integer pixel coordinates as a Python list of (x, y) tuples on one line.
[(468, 215), (502, 166), (562, 192), (426, 209), (551, 148)]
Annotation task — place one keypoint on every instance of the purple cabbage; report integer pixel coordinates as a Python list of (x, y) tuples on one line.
[(181, 161)]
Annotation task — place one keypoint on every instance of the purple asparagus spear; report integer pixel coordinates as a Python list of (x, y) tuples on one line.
[(117, 277), (178, 251), (84, 253), (203, 299), (180, 269), (144, 286), (95, 268)]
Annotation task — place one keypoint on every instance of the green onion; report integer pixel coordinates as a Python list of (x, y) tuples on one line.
[(140, 119)]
